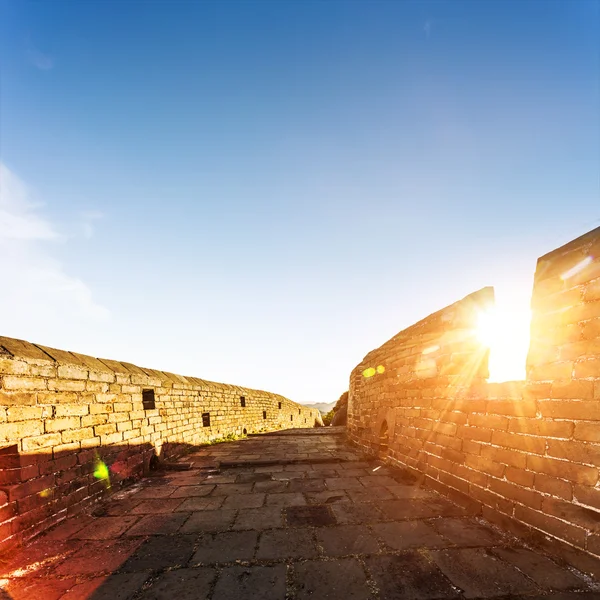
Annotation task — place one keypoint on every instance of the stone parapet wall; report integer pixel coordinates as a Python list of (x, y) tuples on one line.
[(525, 455), (71, 425)]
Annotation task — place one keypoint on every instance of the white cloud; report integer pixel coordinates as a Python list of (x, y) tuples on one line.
[(35, 290), (18, 219), (88, 217)]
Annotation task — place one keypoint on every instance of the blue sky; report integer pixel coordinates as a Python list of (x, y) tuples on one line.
[(262, 192)]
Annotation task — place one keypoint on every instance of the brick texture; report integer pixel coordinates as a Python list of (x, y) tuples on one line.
[(525, 453), (61, 413)]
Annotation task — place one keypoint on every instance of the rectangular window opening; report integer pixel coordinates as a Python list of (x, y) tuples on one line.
[(291, 417), (148, 400), (205, 419), (242, 401), (264, 414), (280, 406)]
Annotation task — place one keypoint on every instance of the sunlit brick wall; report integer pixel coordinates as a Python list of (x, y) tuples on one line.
[(61, 412), (524, 454)]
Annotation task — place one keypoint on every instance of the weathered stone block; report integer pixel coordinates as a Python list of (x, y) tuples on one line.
[(42, 441), (23, 413), (66, 385), (72, 372), (76, 435), (11, 382)]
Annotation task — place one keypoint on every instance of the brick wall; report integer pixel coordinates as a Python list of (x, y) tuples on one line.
[(61, 413), (525, 455)]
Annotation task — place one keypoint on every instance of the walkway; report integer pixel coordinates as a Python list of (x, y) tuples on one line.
[(295, 515)]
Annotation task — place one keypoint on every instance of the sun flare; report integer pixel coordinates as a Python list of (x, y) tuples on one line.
[(504, 329)]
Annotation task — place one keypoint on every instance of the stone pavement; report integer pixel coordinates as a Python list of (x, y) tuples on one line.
[(294, 515)]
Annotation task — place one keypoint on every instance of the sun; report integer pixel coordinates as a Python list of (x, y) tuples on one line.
[(487, 326), (504, 329)]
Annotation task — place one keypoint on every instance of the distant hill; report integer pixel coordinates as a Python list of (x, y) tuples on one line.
[(322, 407)]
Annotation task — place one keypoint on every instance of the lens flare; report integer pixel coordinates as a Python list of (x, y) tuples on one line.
[(431, 349), (371, 371), (580, 266), (102, 472)]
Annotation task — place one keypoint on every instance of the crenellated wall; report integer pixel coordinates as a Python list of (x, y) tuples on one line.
[(62, 414), (526, 455)]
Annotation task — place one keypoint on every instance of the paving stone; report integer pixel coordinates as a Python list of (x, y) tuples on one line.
[(480, 574), (227, 489), (153, 507), (154, 491), (368, 495), (559, 596), (230, 478), (201, 503), (271, 486), (192, 491), (301, 468), (409, 491), (344, 483), (287, 476), (277, 544), (49, 553), (331, 580), (266, 517), (542, 570), (86, 588), (402, 476), (244, 501), (105, 528), (208, 520), (255, 477), (158, 524), (118, 586), (409, 576), (377, 480), (67, 528), (347, 539), (327, 497), (286, 499), (352, 472), (331, 473), (161, 552), (346, 513), (98, 557), (332, 466), (409, 534), (251, 583), (225, 547), (306, 485), (318, 515), (115, 508), (185, 477), (355, 465), (181, 584), (412, 508), (269, 469), (467, 532), (24, 588)]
